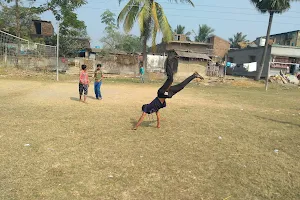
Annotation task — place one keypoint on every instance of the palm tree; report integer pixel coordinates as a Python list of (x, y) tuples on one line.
[(180, 30), (204, 32), (237, 38), (272, 7), (151, 19)]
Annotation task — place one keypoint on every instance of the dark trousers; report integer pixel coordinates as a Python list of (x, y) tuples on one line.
[(168, 91)]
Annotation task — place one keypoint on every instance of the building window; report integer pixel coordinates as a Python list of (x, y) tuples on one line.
[(38, 28), (178, 37), (252, 58)]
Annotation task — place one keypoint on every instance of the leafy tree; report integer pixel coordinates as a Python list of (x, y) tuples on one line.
[(73, 34), (8, 24), (181, 30), (116, 41), (69, 46), (60, 8), (151, 18), (272, 7), (204, 32), (109, 19), (237, 38)]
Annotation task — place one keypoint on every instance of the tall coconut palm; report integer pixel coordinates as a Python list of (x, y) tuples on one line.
[(181, 30), (272, 7), (236, 39), (204, 32), (151, 19)]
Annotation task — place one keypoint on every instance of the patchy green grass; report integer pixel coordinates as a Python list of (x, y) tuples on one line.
[(215, 142)]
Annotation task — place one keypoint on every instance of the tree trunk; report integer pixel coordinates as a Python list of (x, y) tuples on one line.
[(145, 52), (260, 70)]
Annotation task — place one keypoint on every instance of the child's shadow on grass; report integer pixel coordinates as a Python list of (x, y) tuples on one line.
[(91, 97), (143, 124), (77, 99), (74, 98)]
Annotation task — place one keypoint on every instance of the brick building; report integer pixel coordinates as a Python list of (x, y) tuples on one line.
[(220, 47), (196, 47), (40, 28), (180, 43)]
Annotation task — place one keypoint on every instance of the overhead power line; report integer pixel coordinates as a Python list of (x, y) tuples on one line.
[(206, 5)]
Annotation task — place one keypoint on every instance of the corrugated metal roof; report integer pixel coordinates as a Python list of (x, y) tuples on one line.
[(192, 55)]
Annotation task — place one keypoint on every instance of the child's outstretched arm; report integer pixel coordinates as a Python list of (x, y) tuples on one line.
[(140, 121)]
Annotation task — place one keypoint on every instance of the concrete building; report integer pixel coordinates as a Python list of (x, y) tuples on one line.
[(275, 53), (291, 38), (220, 47), (179, 37)]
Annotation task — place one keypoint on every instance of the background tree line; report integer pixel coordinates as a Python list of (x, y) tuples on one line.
[(16, 19)]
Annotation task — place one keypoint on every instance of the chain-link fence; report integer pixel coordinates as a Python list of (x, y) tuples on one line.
[(18, 52)]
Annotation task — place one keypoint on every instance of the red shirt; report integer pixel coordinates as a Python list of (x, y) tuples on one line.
[(84, 77)]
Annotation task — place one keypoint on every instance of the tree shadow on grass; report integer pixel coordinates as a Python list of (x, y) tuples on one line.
[(143, 124), (278, 121)]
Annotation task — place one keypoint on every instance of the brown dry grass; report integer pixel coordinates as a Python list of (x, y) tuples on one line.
[(80, 151)]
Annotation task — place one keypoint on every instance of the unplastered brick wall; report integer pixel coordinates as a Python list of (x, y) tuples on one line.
[(220, 47)]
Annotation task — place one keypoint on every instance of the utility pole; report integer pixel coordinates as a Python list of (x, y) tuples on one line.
[(18, 30), (57, 49), (225, 70), (267, 77)]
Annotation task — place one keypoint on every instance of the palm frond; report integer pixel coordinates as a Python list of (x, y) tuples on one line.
[(124, 12), (164, 24), (154, 34), (275, 6), (180, 29), (183, 1), (131, 17), (143, 16), (154, 17)]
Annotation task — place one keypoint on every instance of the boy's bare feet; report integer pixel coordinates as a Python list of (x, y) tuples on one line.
[(197, 75)]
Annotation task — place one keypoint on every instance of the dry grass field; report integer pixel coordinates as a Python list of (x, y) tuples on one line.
[(215, 142)]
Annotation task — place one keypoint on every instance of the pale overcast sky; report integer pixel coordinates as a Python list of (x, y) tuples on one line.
[(226, 17)]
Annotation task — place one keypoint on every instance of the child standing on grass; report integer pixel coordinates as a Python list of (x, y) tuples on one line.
[(98, 82), (83, 83), (142, 72)]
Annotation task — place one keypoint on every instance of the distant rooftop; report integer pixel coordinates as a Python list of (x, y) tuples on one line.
[(190, 42), (37, 20), (280, 33)]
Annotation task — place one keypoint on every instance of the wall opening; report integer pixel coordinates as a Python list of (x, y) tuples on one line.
[(38, 28)]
